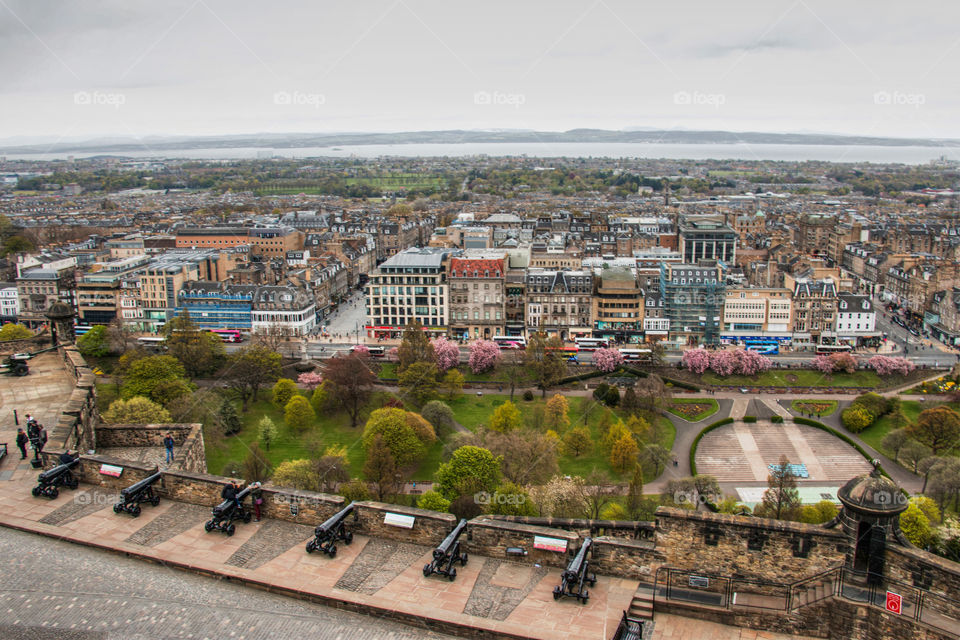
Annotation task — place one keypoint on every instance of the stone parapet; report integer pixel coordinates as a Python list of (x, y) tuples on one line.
[(429, 527), (492, 538)]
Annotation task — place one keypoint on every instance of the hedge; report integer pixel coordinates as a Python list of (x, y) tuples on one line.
[(693, 447), (776, 419), (842, 436), (749, 418)]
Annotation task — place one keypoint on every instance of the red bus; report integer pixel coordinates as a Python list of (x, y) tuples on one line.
[(228, 335)]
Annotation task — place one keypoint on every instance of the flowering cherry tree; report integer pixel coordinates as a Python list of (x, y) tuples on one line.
[(886, 366), (823, 364), (484, 355), (696, 360), (393, 354), (311, 379), (723, 363), (751, 363), (446, 354), (607, 360)]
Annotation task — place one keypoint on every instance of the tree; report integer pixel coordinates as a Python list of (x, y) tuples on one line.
[(544, 360), (612, 397), (352, 381), (696, 360), (136, 410), (160, 378), (635, 491), (856, 418), (453, 383), (505, 418), (912, 453), (639, 427), (94, 342), (623, 455), (296, 474), (414, 347), (512, 372), (298, 414), (283, 390), (310, 379), (823, 511), (630, 403), (945, 482), (875, 404), (916, 526), (470, 469), (529, 457), (123, 337), (484, 355), (597, 492), (823, 364), (255, 467), (781, 500), (332, 468), (267, 432), (577, 441), (439, 414), (655, 456), (937, 428), (561, 497), (616, 431), (607, 360), (397, 434), (419, 382), (355, 490), (433, 501), (251, 368), (555, 413), (321, 399), (894, 441), (423, 429), (652, 394), (380, 468), (446, 354), (271, 337), (12, 331), (511, 500), (201, 352), (886, 366), (843, 362)]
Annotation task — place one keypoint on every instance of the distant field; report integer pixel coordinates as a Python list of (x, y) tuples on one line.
[(391, 182)]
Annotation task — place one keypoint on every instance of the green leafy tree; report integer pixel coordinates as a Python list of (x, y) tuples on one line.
[(916, 526), (423, 429), (136, 410), (512, 500), (506, 417), (894, 441), (615, 511), (439, 414), (229, 419), (283, 390), (321, 399), (544, 360), (160, 378), (250, 369), (452, 383), (267, 432), (612, 397), (823, 511), (470, 469), (856, 418), (398, 435), (781, 500), (414, 347), (380, 468), (556, 413), (13, 331), (623, 455), (296, 474), (419, 382), (201, 352), (433, 501), (298, 414), (355, 491), (615, 432), (577, 441), (95, 342), (937, 428)]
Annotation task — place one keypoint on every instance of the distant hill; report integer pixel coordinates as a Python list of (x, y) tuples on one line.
[(299, 140)]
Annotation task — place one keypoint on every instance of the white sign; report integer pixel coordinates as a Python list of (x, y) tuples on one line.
[(398, 520), (550, 544), (110, 470)]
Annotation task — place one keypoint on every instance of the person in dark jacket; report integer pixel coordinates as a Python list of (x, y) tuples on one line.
[(168, 444), (22, 441), (66, 457), (230, 493)]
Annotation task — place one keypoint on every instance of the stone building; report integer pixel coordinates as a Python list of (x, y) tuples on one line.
[(477, 283), (559, 302)]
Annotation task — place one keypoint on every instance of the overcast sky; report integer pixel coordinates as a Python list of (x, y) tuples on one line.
[(204, 67)]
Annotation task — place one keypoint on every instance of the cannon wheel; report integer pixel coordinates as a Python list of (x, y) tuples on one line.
[(36, 492), (135, 511), (155, 500), (246, 517), (73, 483), (463, 560), (53, 492), (426, 570), (117, 508), (332, 551), (556, 593), (452, 574), (208, 526), (348, 537), (311, 546), (231, 529), (583, 598)]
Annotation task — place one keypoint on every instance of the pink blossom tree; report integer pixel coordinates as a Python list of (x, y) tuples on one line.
[(607, 360), (843, 362), (484, 355), (311, 379), (751, 363), (696, 360), (393, 354), (723, 363), (446, 354), (823, 364), (886, 366)]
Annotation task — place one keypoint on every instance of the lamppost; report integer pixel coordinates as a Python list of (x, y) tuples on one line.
[(356, 332)]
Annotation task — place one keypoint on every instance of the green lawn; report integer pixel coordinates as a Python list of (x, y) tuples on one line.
[(797, 378), (811, 405), (873, 434), (389, 370), (693, 409)]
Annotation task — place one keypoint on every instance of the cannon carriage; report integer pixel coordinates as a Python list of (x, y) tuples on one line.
[(225, 513), (136, 494), (49, 481), (447, 553), (333, 529), (576, 575)]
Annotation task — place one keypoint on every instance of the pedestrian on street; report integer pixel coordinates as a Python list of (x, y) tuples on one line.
[(257, 494), (22, 441), (42, 439), (168, 444)]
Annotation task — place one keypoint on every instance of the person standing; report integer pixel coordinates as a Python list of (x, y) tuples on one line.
[(41, 438), (168, 444), (256, 493), (22, 441)]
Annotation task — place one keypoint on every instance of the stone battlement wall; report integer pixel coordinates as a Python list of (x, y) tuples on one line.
[(76, 425)]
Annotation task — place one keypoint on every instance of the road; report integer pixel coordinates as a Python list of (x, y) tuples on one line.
[(54, 590)]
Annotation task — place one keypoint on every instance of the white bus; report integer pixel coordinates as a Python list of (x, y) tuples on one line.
[(636, 354), (154, 344), (510, 342), (591, 344)]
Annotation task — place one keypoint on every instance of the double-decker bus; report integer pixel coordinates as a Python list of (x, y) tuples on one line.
[(591, 344), (228, 335), (827, 349), (636, 354), (510, 342), (764, 346), (569, 351), (151, 343)]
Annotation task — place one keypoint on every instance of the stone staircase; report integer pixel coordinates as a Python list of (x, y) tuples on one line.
[(641, 607), (815, 591)]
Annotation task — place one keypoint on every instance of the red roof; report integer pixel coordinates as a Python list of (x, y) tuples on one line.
[(467, 267)]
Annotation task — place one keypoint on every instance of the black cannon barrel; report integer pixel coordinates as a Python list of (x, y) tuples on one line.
[(59, 470), (136, 487), (448, 542), (576, 565), (229, 505), (243, 494), (334, 520)]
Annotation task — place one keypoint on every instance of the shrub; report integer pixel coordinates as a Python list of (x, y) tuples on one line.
[(283, 390), (528, 395), (876, 405), (612, 397), (298, 414), (136, 410), (749, 418), (601, 391), (855, 418), (433, 501), (776, 419)]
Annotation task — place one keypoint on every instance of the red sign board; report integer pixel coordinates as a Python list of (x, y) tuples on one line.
[(894, 602)]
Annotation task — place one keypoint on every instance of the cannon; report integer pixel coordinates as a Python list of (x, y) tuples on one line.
[(333, 529), (59, 476), (16, 364), (447, 553), (576, 575), (226, 512), (136, 494)]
